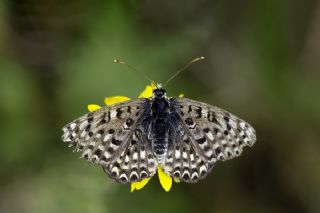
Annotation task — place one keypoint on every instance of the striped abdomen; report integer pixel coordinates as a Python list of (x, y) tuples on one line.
[(160, 127)]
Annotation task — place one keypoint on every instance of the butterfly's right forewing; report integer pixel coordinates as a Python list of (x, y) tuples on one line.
[(215, 133)]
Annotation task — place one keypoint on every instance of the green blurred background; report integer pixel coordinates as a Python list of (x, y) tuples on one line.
[(262, 63)]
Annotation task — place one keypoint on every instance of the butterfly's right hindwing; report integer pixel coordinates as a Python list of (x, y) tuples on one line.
[(183, 161)]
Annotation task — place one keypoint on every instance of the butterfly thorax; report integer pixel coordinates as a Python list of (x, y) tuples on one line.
[(159, 125)]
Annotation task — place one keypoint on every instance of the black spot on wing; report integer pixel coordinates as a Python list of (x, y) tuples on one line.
[(90, 119), (198, 110), (110, 150), (226, 118), (129, 122), (98, 152), (119, 113), (115, 142), (105, 118), (88, 127), (212, 117), (201, 140), (189, 121)]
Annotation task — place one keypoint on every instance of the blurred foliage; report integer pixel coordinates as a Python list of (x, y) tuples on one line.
[(262, 64)]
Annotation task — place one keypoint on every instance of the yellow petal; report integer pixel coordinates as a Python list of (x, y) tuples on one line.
[(176, 180), (93, 107), (165, 180), (115, 99), (181, 95), (139, 185), (133, 187), (147, 92)]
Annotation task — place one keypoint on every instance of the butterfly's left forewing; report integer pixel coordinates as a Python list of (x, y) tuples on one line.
[(109, 137)]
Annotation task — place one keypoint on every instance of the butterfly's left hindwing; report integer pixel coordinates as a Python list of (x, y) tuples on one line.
[(104, 137), (136, 162)]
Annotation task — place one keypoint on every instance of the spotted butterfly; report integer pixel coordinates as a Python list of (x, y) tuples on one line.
[(185, 137)]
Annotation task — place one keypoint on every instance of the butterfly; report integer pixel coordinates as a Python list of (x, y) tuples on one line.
[(184, 137)]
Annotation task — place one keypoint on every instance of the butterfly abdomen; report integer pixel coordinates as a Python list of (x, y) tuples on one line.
[(160, 127), (161, 137)]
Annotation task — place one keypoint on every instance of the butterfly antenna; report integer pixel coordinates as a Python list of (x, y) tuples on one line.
[(183, 68), (132, 68)]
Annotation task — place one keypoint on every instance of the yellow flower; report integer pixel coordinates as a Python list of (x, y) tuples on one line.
[(115, 99), (147, 92), (140, 184), (164, 179), (93, 107)]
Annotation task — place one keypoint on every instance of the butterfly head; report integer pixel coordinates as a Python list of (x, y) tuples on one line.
[(159, 92)]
